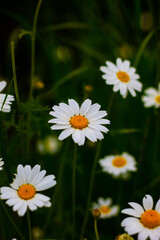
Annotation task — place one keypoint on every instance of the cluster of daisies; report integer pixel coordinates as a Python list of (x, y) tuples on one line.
[(81, 122)]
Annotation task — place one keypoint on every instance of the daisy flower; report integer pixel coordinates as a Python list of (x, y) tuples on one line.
[(1, 163), (23, 191), (144, 221), (152, 97), (105, 207), (80, 122), (122, 76), (8, 99), (118, 164)]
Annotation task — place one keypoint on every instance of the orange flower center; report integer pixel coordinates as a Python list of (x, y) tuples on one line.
[(26, 191), (104, 209), (123, 76), (79, 122), (150, 219), (119, 161), (157, 99)]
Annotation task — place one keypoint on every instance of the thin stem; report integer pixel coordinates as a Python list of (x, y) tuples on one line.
[(33, 37), (90, 190), (56, 195), (74, 189), (12, 222), (29, 225), (14, 74), (96, 229)]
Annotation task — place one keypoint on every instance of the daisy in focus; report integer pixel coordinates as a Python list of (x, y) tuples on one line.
[(105, 207), (1, 163), (5, 106), (117, 165), (144, 221), (80, 122), (152, 97), (122, 76), (23, 191)]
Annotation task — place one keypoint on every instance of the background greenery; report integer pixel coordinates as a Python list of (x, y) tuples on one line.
[(73, 40)]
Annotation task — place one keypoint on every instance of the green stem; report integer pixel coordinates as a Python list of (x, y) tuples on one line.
[(12, 222), (57, 194), (90, 190), (96, 229), (14, 74), (33, 37), (74, 189), (29, 225)]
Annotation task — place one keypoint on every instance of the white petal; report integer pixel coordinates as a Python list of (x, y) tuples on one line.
[(111, 66), (32, 206), (96, 116), (60, 126), (66, 133), (21, 174), (42, 197), (85, 107), (74, 105), (2, 85), (27, 170), (34, 173), (137, 207), (131, 212), (157, 207), (12, 201), (22, 210), (148, 202), (17, 205), (143, 235), (66, 109), (76, 135), (89, 134)]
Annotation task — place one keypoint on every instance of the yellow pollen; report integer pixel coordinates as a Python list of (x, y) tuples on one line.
[(26, 191), (157, 99), (104, 209), (119, 161), (123, 76), (150, 219), (79, 122)]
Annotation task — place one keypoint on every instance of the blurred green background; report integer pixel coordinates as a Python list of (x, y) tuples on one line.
[(73, 40)]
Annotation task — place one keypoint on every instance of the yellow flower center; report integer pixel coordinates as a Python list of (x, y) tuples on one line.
[(79, 122), (26, 191), (123, 76), (157, 99), (104, 209), (150, 219), (119, 162)]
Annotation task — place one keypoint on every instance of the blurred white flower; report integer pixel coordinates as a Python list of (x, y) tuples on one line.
[(118, 165), (23, 191), (105, 207), (5, 100), (80, 122), (122, 76), (152, 97), (144, 221), (49, 145)]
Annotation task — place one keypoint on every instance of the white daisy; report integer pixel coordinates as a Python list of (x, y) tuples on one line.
[(23, 191), (144, 221), (80, 122), (105, 207), (118, 164), (1, 163), (122, 76), (5, 106), (152, 97)]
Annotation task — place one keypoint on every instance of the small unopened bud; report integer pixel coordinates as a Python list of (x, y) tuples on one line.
[(88, 88), (96, 213), (124, 236)]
